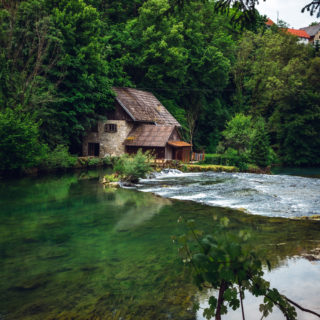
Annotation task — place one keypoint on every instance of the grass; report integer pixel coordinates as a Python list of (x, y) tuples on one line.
[(313, 217), (208, 167)]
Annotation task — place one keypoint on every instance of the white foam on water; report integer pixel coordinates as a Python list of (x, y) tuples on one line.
[(269, 195), (191, 197)]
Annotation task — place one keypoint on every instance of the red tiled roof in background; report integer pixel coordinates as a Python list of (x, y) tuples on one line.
[(269, 22), (298, 33)]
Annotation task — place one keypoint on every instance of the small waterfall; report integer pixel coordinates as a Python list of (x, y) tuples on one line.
[(165, 173), (267, 195)]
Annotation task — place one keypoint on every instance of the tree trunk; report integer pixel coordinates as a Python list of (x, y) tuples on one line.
[(223, 288)]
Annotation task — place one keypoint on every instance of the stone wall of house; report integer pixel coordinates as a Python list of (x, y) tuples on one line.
[(111, 143)]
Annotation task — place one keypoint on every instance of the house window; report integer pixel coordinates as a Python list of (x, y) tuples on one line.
[(110, 127)]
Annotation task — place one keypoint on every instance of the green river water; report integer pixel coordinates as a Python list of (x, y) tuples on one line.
[(71, 249)]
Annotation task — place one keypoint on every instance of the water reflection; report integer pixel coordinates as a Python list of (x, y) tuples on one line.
[(138, 207), (297, 279)]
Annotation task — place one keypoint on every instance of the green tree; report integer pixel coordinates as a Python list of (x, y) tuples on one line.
[(183, 57), (260, 144), (19, 141), (277, 78), (29, 50), (238, 132), (53, 63), (84, 90)]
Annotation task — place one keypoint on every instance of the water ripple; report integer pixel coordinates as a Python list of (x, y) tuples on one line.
[(268, 195)]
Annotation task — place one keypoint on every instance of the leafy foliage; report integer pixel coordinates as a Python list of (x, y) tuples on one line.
[(59, 158), (20, 147), (184, 58), (111, 178), (52, 59), (313, 7), (260, 152), (247, 8), (229, 158), (60, 59), (132, 168), (277, 79), (238, 132), (220, 261)]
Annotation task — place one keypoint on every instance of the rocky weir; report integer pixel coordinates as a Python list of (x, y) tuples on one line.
[(268, 195)]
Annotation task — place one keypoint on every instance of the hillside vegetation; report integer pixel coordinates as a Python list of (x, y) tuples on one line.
[(59, 60)]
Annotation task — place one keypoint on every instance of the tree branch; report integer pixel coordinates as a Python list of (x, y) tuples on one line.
[(301, 308)]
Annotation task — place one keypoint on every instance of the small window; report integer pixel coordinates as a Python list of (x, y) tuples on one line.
[(110, 127)]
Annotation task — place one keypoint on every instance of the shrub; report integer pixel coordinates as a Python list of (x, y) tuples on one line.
[(220, 148), (107, 161), (111, 178), (273, 158), (20, 147), (229, 158), (260, 145), (94, 162), (59, 158), (238, 132), (132, 168), (212, 158)]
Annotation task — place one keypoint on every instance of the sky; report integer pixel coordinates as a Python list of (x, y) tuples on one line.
[(289, 11)]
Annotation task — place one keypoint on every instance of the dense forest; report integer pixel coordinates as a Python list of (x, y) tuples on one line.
[(60, 58)]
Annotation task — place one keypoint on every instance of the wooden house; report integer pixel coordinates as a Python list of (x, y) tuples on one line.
[(138, 121)]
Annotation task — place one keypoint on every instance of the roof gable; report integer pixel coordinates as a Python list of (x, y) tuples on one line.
[(312, 30), (143, 106)]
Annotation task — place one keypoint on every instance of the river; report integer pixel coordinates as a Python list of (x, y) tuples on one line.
[(71, 249)]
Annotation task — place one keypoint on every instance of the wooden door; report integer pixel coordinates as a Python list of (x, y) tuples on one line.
[(93, 149)]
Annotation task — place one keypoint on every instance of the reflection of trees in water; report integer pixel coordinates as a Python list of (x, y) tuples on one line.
[(137, 207), (275, 238)]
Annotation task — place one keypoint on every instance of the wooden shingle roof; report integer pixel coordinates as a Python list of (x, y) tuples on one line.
[(143, 106), (146, 135)]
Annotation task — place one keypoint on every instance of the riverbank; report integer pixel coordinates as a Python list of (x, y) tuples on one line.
[(78, 164), (220, 168), (205, 167), (90, 162)]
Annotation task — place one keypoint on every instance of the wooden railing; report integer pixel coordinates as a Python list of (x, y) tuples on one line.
[(197, 156)]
